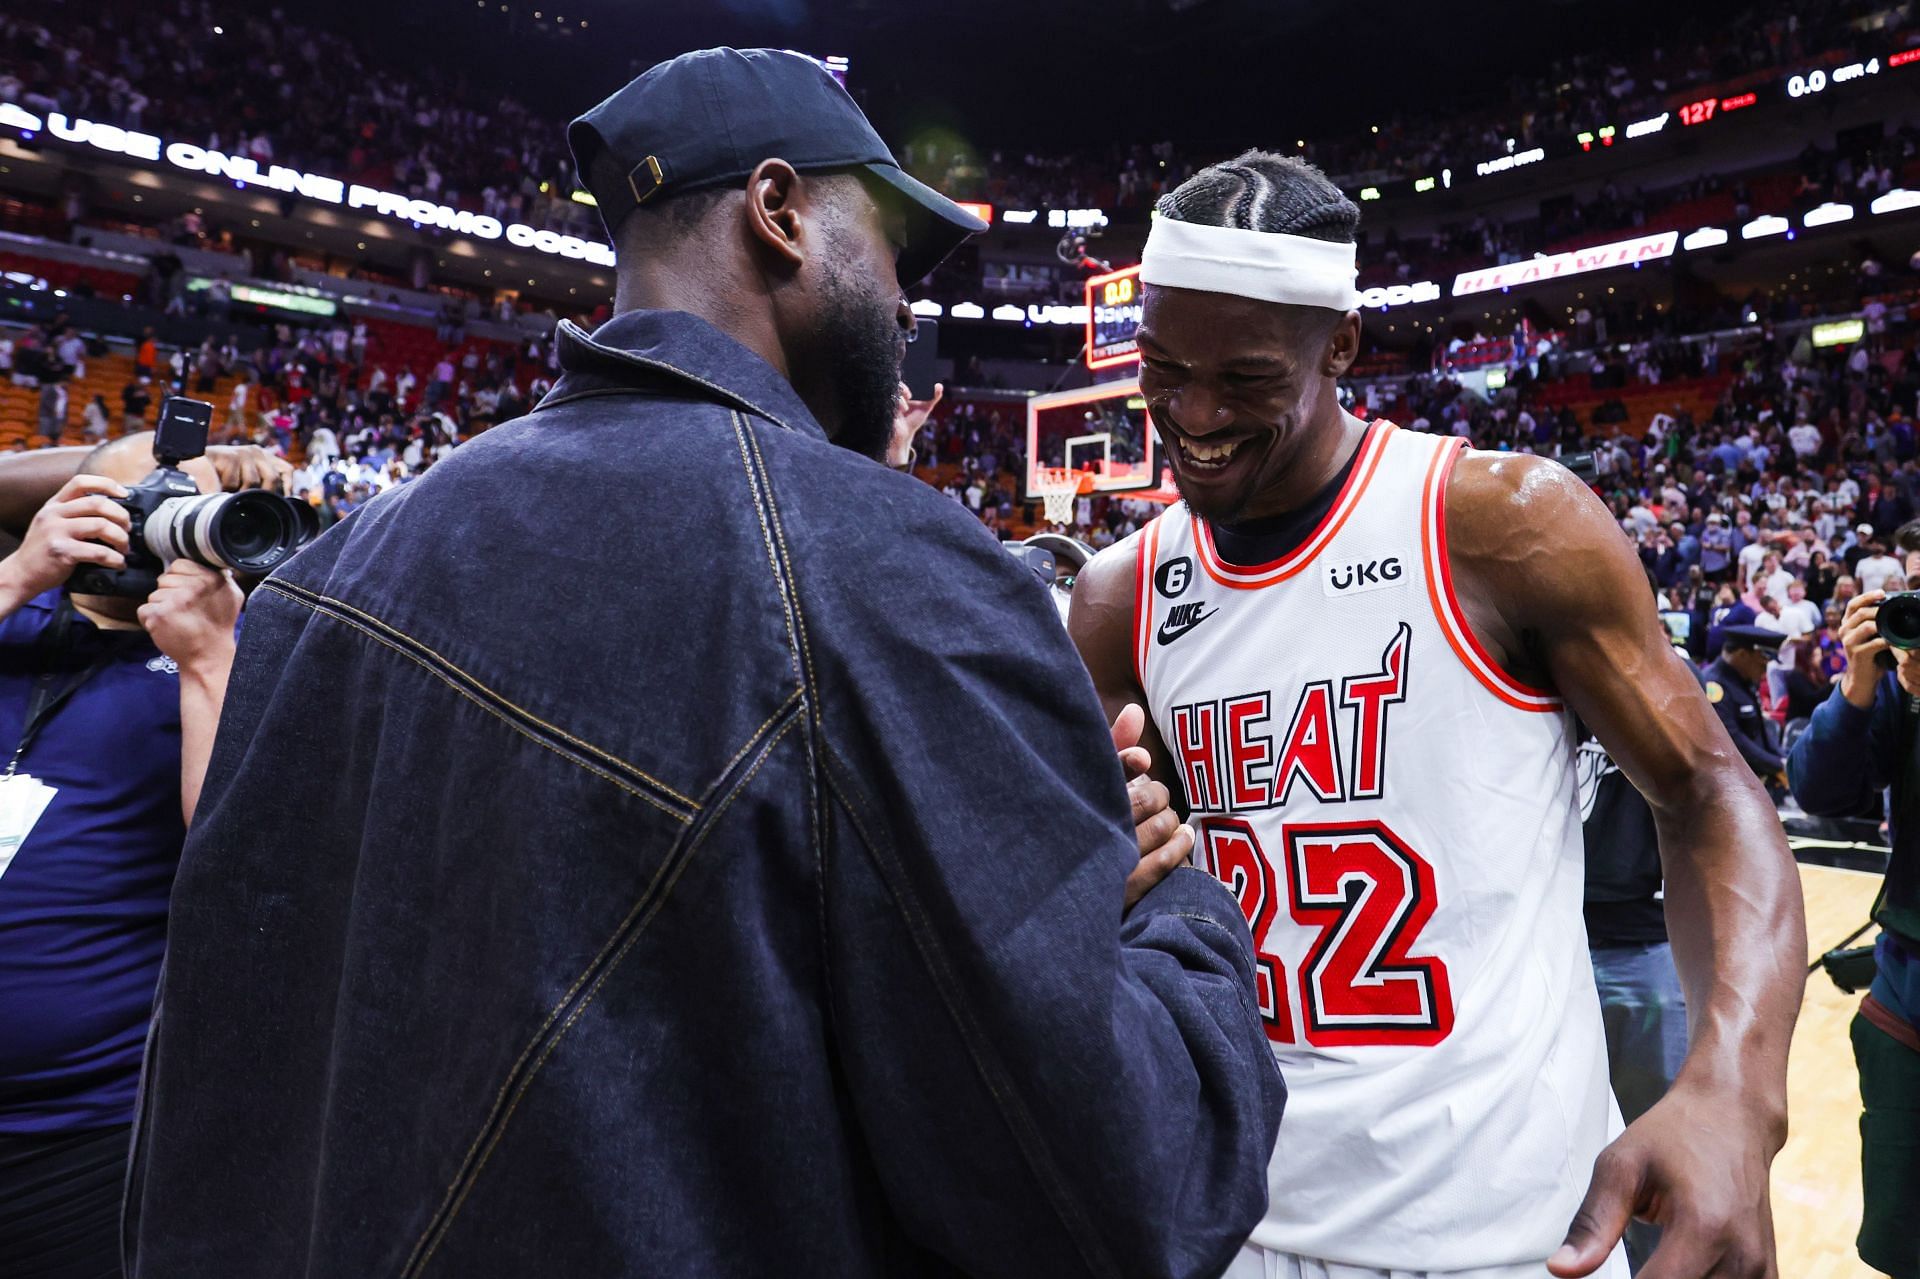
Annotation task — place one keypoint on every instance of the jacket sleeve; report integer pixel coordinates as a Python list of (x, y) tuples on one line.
[(1846, 755), (1046, 1088)]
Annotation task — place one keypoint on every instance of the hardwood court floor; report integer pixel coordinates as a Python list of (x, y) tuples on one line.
[(1816, 1179)]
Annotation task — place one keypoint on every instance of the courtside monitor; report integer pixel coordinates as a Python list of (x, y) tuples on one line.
[(1101, 434)]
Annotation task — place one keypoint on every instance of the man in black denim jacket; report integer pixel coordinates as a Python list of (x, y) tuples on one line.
[(664, 841)]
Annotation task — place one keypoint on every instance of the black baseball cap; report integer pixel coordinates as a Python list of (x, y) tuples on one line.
[(707, 118)]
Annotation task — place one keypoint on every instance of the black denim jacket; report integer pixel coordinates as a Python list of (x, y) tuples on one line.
[(659, 842)]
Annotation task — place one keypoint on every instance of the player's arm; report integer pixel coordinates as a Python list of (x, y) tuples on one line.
[(1550, 584), (1101, 625)]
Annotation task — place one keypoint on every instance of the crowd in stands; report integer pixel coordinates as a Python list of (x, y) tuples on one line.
[(282, 91), (358, 418)]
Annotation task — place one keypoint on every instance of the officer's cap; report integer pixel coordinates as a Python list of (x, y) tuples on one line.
[(1753, 637)]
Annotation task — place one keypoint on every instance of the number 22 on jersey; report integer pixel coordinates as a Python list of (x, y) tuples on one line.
[(1364, 895)]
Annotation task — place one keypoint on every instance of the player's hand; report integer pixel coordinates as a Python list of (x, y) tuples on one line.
[(248, 466), (1696, 1166), (81, 524), (1164, 841), (191, 614), (1860, 636)]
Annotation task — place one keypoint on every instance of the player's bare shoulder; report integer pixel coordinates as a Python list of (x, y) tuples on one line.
[(1530, 546), (1519, 501)]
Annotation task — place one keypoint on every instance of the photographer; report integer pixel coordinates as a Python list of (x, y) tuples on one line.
[(108, 706), (1859, 743)]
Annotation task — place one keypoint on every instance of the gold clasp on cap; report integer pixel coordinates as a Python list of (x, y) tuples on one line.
[(655, 173)]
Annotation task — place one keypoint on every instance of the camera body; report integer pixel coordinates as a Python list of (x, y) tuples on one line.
[(252, 532)]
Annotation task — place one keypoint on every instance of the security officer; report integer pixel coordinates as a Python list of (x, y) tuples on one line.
[(787, 869), (1732, 679)]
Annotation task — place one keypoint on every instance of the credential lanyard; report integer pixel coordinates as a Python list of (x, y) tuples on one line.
[(52, 689)]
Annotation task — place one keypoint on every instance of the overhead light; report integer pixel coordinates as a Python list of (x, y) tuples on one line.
[(1767, 224), (1828, 213), (968, 311), (1896, 200), (584, 197), (929, 308), (1707, 237), (1008, 311)]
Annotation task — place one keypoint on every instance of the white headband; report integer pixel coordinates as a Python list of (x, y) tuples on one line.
[(1263, 265)]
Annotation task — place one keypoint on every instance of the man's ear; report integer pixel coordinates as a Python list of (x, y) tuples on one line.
[(777, 209), (1343, 345)]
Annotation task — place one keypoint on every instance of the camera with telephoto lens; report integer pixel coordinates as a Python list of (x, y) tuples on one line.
[(252, 532), (1899, 619)]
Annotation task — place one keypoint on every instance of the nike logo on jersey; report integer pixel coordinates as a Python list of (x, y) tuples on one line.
[(1181, 619), (1367, 575)]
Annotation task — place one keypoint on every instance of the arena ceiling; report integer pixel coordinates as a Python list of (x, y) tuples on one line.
[(1050, 73)]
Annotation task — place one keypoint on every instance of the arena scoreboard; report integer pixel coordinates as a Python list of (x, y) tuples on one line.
[(1113, 313)]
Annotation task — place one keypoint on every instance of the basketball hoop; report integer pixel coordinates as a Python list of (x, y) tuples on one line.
[(1057, 487)]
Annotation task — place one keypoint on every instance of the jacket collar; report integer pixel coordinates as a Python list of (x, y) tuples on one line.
[(681, 351)]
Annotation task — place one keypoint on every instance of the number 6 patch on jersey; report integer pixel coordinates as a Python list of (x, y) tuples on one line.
[(1366, 895)]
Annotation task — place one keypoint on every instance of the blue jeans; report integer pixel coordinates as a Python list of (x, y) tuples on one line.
[(1644, 1012)]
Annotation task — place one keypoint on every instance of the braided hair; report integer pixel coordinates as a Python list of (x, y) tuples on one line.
[(1264, 191)]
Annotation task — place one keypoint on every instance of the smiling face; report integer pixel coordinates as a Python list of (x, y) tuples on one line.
[(1243, 394)]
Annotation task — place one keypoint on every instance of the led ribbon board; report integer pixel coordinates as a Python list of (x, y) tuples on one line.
[(1601, 257)]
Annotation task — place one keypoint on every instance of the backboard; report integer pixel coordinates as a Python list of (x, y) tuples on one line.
[(1101, 430)]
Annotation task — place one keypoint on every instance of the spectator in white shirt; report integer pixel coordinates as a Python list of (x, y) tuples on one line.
[(1878, 568), (1801, 615), (1752, 555), (1805, 438), (1774, 577)]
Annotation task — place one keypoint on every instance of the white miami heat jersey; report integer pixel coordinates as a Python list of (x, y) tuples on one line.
[(1398, 818)]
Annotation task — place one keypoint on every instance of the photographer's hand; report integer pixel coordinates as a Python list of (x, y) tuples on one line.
[(82, 524), (1860, 636), (190, 617), (248, 466)]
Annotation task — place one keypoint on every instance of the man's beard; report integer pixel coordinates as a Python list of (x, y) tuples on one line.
[(860, 343)]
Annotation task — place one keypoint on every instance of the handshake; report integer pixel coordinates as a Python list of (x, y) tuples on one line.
[(1165, 841)]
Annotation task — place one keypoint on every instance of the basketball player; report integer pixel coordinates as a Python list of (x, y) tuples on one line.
[(1361, 646)]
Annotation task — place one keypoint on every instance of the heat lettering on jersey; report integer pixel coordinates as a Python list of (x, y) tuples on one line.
[(1228, 762)]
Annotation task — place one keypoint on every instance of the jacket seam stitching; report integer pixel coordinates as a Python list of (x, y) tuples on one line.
[(757, 491), (1197, 918), (303, 594), (786, 565), (673, 870), (1013, 1111), (508, 720)]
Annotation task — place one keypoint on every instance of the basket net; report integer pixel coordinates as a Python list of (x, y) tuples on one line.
[(1057, 488)]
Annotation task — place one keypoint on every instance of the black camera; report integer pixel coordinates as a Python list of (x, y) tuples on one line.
[(1899, 619), (252, 532)]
